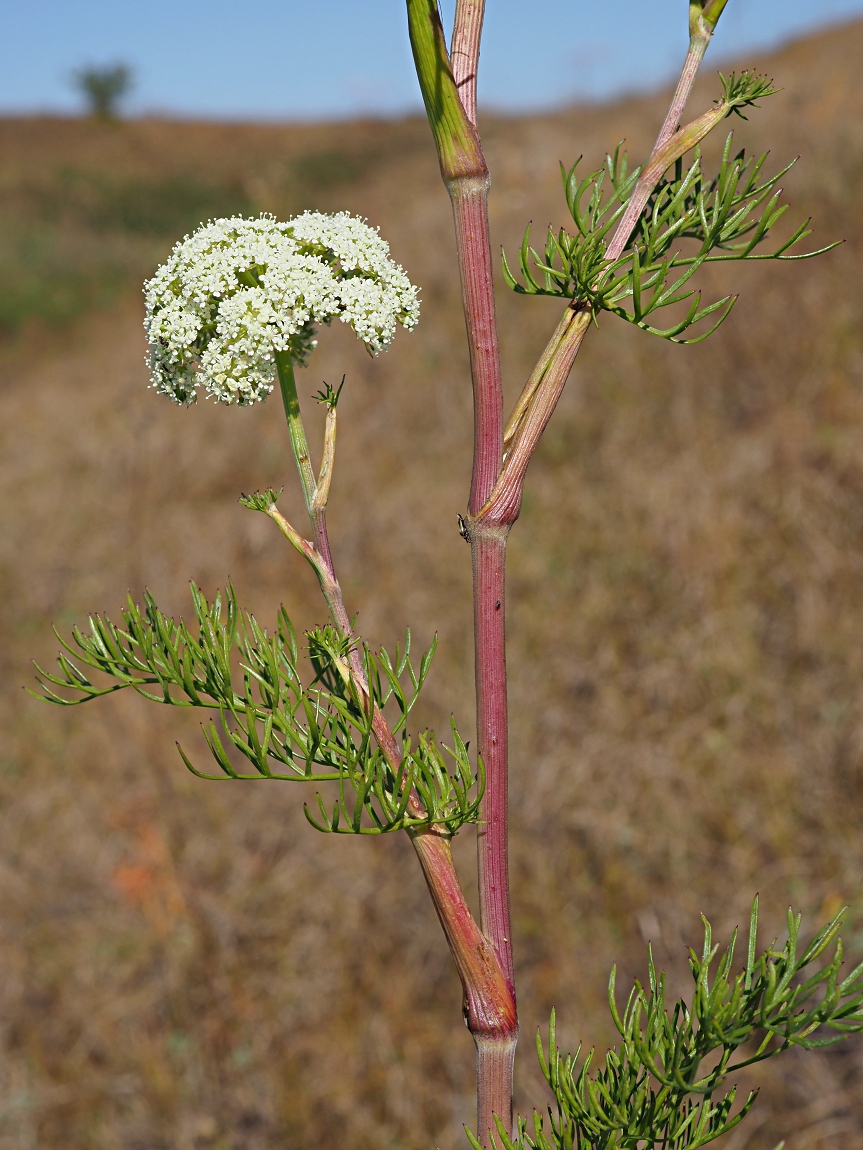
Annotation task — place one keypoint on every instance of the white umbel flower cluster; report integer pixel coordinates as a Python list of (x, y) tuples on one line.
[(239, 290)]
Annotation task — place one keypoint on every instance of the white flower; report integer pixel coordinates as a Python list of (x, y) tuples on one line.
[(237, 291)]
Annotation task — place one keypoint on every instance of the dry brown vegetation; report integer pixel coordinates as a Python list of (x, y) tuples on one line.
[(188, 964)]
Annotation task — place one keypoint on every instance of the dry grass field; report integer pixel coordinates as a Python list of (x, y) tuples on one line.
[(188, 964)]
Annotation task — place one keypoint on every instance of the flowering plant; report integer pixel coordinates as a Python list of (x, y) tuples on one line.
[(236, 308), (238, 292)]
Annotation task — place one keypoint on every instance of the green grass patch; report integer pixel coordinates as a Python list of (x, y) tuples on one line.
[(72, 238)]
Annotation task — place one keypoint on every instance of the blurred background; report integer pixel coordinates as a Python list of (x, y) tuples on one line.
[(188, 964), (270, 60)]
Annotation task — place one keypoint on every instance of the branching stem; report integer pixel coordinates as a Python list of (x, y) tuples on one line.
[(666, 149), (698, 43), (532, 413), (489, 1000), (319, 556), (540, 395), (448, 85)]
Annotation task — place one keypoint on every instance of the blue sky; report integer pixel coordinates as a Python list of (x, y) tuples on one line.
[(303, 59)]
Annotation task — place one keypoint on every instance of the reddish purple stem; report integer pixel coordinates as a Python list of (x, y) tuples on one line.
[(495, 1055), (470, 212), (489, 570)]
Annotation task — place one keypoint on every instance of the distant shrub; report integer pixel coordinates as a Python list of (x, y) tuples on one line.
[(103, 88)]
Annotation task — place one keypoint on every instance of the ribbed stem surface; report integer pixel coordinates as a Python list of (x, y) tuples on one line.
[(470, 214), (489, 571)]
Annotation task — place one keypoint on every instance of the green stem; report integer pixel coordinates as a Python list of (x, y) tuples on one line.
[(456, 140), (312, 492), (299, 443)]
